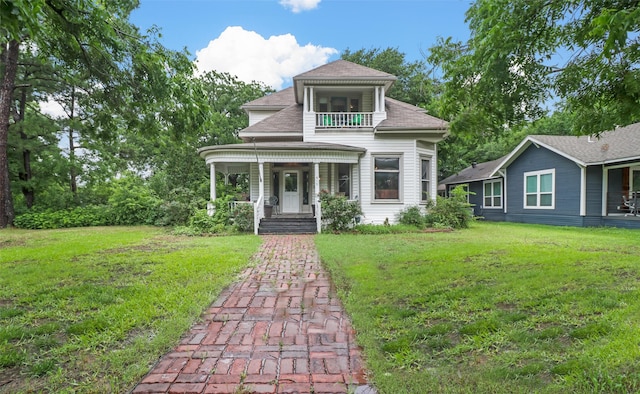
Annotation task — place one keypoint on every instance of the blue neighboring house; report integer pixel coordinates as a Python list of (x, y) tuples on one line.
[(561, 180)]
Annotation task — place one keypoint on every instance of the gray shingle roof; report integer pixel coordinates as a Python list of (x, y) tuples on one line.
[(400, 116), (341, 72), (612, 146), (288, 120), (472, 173), (282, 99), (403, 116), (344, 69)]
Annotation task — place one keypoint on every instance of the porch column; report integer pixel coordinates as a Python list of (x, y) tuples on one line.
[(261, 180), (212, 190), (316, 182), (583, 191), (376, 105), (306, 100), (316, 195)]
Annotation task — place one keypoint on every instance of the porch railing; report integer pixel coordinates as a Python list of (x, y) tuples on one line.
[(258, 213), (344, 120)]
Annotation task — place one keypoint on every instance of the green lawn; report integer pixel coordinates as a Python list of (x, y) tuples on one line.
[(497, 308), (91, 310)]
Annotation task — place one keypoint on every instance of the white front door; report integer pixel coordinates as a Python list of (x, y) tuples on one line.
[(291, 192)]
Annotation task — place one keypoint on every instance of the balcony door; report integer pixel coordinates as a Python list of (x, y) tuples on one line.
[(291, 192)]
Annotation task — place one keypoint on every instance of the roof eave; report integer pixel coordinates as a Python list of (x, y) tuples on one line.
[(300, 82), (263, 107)]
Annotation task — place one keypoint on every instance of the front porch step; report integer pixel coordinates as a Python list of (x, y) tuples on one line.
[(287, 225)]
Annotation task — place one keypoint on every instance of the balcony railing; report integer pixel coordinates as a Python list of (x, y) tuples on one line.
[(344, 120)]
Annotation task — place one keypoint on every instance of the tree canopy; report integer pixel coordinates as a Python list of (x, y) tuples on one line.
[(414, 84), (133, 110), (525, 55)]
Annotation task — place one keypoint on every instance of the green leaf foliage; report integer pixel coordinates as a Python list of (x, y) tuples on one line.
[(522, 54), (338, 213), (452, 212)]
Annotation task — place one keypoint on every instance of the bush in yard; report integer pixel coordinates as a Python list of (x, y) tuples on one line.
[(133, 203), (338, 213), (453, 212), (243, 218), (178, 207), (201, 223), (412, 216), (73, 217)]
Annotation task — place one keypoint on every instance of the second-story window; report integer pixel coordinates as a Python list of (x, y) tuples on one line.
[(338, 104), (347, 103)]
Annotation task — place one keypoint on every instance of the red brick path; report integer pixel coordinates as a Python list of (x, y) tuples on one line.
[(282, 330)]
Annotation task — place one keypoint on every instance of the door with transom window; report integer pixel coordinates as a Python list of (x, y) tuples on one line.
[(291, 192)]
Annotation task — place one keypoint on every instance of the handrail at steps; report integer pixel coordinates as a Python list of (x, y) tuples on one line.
[(258, 213), (318, 217)]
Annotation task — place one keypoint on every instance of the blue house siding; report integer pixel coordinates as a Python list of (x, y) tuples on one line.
[(594, 191), (566, 183), (614, 190), (476, 199), (494, 215)]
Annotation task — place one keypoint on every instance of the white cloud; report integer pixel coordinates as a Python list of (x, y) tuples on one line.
[(52, 108), (300, 5), (251, 57)]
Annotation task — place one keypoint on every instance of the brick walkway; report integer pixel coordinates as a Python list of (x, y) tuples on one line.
[(281, 330)]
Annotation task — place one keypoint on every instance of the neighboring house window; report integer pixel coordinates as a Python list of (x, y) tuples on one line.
[(493, 194), (539, 189), (386, 176), (424, 180)]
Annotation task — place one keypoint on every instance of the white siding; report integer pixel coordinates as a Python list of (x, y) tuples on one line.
[(257, 116), (367, 101), (376, 212), (253, 181)]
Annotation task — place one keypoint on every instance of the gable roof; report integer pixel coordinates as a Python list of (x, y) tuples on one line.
[(341, 72), (622, 144), (273, 101), (344, 68), (473, 173)]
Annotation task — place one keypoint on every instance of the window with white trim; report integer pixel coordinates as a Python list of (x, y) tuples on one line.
[(539, 189), (424, 180), (492, 195), (386, 176)]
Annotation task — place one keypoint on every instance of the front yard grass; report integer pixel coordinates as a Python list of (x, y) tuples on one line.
[(500, 307), (90, 310)]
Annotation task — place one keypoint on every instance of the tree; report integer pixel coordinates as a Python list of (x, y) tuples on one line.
[(523, 54), (414, 85), (171, 156), (132, 74)]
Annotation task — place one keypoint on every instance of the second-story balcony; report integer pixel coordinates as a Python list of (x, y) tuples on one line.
[(344, 120)]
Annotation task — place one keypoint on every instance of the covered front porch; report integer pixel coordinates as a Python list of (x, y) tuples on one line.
[(622, 185), (286, 177)]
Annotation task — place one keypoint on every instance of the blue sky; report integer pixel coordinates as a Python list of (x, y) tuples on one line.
[(274, 40)]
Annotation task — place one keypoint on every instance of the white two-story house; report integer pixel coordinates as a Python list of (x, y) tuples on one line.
[(334, 130)]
